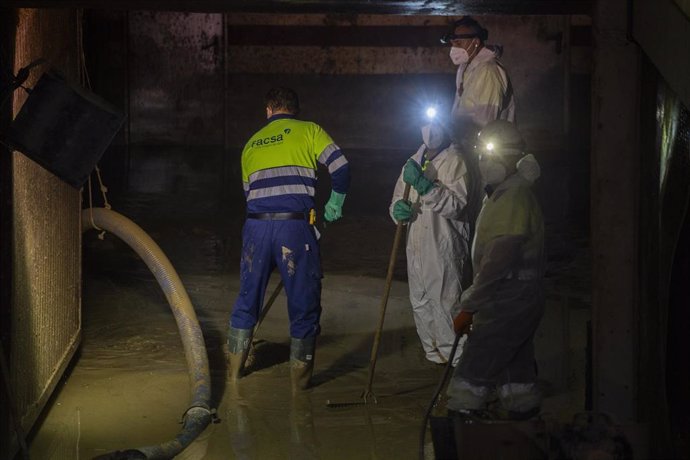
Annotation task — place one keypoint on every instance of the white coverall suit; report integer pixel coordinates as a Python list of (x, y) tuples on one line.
[(484, 93), (437, 247)]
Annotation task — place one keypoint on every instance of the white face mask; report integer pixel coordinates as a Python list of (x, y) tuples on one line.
[(493, 172), (459, 55), (433, 136)]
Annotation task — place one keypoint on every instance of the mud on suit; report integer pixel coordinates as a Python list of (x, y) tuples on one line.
[(507, 297), (437, 247), (279, 165)]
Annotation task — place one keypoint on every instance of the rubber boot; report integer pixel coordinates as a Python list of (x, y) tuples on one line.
[(239, 341), (301, 363)]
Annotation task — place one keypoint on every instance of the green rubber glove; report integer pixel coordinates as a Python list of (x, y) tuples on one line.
[(413, 175), (334, 207), (402, 210)]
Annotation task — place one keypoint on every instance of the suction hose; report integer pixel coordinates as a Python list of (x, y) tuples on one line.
[(437, 393), (199, 413)]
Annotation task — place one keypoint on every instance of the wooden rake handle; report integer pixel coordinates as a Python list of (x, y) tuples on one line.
[(384, 301)]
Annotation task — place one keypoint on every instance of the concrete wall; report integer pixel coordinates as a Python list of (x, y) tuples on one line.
[(665, 320), (615, 205), (684, 5), (43, 243), (194, 83), (177, 62)]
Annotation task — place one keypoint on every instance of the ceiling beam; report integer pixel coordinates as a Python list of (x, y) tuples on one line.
[(661, 28), (430, 7)]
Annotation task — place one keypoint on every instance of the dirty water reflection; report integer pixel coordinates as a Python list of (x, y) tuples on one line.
[(129, 386)]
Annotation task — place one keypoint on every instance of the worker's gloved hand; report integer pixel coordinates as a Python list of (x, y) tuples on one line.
[(334, 207), (413, 175), (402, 210), (462, 322)]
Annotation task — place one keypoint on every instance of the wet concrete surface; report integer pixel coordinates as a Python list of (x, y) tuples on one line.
[(128, 387)]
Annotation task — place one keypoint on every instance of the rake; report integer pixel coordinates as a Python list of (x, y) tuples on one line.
[(367, 394)]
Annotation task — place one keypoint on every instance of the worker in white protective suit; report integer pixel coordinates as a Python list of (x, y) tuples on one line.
[(437, 237), (483, 90), (502, 309), (483, 94)]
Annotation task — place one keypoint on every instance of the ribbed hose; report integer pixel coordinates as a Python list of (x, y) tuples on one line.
[(437, 393), (199, 415)]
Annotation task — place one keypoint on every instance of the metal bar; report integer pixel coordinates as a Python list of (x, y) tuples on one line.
[(438, 7)]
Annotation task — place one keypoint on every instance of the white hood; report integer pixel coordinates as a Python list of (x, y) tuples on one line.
[(528, 168)]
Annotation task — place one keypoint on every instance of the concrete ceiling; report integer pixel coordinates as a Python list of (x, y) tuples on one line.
[(430, 7)]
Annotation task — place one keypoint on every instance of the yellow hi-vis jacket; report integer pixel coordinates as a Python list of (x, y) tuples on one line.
[(279, 165)]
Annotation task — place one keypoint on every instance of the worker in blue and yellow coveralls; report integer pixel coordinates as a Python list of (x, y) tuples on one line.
[(279, 165)]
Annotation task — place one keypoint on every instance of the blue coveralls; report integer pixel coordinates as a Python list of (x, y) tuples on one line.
[(279, 175)]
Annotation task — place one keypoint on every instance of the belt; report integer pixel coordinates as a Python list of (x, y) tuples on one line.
[(278, 216)]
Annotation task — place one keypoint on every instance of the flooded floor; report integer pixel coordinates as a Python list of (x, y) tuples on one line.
[(128, 387)]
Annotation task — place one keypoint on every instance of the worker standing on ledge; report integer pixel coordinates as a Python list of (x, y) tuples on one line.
[(483, 89), (483, 94)]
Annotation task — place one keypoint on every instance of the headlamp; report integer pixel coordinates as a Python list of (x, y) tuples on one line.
[(431, 112), (496, 149), (448, 38)]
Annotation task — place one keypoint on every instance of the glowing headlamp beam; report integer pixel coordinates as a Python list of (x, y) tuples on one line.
[(431, 113)]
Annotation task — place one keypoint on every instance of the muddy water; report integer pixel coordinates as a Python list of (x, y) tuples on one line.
[(129, 386)]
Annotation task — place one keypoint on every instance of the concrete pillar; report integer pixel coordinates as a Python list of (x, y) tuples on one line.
[(614, 205)]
